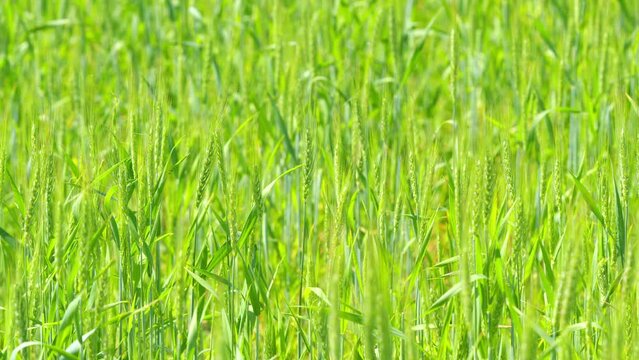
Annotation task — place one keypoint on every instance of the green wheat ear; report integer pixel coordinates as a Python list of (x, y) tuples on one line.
[(508, 171), (477, 200), (412, 178), (219, 158), (206, 171), (454, 60), (623, 169), (309, 160), (258, 200)]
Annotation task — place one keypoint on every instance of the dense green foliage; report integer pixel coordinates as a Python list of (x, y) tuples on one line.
[(319, 179)]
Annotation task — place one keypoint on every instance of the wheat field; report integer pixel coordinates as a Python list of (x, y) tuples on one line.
[(280, 179)]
